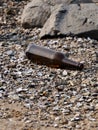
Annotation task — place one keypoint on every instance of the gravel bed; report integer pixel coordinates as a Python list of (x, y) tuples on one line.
[(36, 95)]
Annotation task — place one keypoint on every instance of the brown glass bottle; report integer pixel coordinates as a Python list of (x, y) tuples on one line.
[(51, 58)]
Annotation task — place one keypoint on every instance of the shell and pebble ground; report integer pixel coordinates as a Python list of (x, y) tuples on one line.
[(36, 97)]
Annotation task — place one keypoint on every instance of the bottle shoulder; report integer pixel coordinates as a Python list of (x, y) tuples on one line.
[(59, 56)]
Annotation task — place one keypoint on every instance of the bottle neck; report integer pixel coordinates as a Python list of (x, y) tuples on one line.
[(71, 65)]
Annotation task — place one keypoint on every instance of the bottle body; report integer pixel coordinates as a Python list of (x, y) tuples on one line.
[(40, 55), (50, 58)]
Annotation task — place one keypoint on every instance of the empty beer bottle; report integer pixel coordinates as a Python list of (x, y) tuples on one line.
[(51, 58)]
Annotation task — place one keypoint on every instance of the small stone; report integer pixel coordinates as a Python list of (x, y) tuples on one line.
[(32, 85), (92, 119), (77, 117), (10, 53), (1, 95), (19, 90), (14, 97), (28, 71), (71, 124), (79, 40), (64, 121), (83, 85), (73, 99), (57, 118), (74, 73), (94, 94), (64, 73), (79, 104), (27, 105), (39, 74), (66, 47), (56, 108), (78, 126), (18, 73), (12, 65), (55, 125), (96, 106), (60, 87)]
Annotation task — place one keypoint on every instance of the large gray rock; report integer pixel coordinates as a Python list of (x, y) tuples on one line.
[(84, 1), (79, 20), (37, 12)]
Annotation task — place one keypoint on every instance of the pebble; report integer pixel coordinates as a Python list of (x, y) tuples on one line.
[(14, 97), (64, 73), (96, 106), (27, 105), (10, 53), (79, 104), (92, 119), (55, 125), (66, 111), (1, 95), (21, 90), (60, 87), (56, 108), (28, 71)]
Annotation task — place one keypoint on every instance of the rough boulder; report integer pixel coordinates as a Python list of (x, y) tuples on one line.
[(74, 19)]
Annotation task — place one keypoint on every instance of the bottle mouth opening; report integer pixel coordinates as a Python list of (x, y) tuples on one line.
[(81, 66)]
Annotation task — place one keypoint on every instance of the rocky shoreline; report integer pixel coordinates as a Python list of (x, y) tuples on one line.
[(36, 97)]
